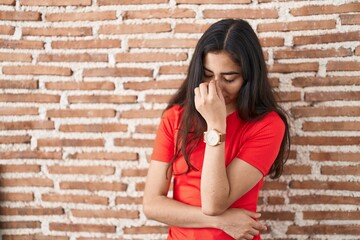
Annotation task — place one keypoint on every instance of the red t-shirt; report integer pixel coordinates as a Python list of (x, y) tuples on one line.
[(256, 143)]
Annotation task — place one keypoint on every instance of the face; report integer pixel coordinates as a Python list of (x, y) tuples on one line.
[(220, 67)]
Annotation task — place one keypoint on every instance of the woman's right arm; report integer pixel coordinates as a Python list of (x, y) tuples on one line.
[(157, 206)]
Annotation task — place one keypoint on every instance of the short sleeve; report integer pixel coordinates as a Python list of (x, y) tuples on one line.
[(262, 142), (164, 144)]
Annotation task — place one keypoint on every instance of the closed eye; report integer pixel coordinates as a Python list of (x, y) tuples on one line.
[(209, 74), (229, 80)]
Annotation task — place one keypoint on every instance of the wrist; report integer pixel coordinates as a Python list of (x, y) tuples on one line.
[(213, 137), (214, 221), (219, 126)]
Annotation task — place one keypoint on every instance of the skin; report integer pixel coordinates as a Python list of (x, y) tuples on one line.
[(220, 186), (220, 68)]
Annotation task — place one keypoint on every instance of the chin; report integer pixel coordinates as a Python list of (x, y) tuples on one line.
[(230, 104)]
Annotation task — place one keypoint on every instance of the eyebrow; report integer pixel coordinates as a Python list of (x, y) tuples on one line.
[(223, 73)]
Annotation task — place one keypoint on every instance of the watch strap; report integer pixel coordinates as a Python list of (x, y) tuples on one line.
[(222, 137)]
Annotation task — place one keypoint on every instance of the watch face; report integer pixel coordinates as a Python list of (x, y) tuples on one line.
[(212, 138)]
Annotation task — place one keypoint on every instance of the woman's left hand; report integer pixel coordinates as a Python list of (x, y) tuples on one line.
[(210, 103)]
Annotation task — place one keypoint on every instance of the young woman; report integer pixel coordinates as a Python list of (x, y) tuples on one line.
[(220, 135)]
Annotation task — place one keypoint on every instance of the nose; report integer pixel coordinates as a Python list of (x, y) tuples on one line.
[(218, 80)]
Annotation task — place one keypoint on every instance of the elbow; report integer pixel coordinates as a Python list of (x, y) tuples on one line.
[(147, 209), (213, 206), (212, 210), (153, 207)]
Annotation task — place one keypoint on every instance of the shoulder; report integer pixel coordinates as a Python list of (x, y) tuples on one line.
[(174, 112), (270, 124), (172, 116), (272, 119)]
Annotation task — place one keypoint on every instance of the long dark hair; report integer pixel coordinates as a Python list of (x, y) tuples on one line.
[(236, 37)]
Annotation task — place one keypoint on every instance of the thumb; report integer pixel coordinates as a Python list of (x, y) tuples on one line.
[(252, 214)]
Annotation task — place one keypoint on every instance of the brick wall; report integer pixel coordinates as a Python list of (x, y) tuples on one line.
[(83, 84)]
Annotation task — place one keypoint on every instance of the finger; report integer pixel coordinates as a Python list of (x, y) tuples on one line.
[(254, 232), (259, 226), (203, 89), (248, 236), (197, 97), (197, 92), (218, 90), (252, 214), (213, 89)]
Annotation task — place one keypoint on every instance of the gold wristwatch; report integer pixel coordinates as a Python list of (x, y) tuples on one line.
[(214, 137)]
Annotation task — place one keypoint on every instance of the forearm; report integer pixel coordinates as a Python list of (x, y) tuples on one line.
[(215, 187), (175, 213), (159, 207), (235, 222)]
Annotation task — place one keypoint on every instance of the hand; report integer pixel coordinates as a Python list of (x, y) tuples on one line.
[(210, 103), (240, 223)]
